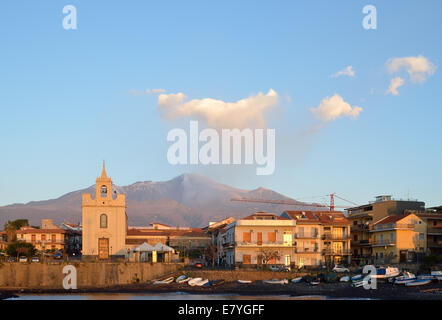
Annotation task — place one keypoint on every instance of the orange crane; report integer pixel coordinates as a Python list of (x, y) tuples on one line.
[(297, 203)]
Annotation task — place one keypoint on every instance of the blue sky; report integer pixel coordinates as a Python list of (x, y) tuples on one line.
[(66, 101)]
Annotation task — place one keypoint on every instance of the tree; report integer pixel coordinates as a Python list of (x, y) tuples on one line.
[(20, 248), (265, 255), (16, 224), (210, 253)]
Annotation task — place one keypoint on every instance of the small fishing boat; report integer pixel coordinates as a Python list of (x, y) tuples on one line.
[(388, 272), (217, 282), (358, 283), (345, 279), (436, 273), (165, 281), (276, 281), (425, 277), (181, 278), (405, 278), (194, 281), (296, 280), (357, 277), (418, 282), (203, 282), (244, 281), (315, 283)]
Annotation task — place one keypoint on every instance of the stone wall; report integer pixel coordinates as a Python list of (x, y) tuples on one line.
[(97, 274), (230, 275)]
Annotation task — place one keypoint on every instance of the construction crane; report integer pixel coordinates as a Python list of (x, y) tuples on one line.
[(332, 205)]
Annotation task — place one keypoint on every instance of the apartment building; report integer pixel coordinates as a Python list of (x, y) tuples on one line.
[(321, 237), (217, 233), (363, 217), (433, 219), (259, 239), (399, 239), (51, 237)]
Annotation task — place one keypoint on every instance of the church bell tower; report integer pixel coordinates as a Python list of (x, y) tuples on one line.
[(104, 220)]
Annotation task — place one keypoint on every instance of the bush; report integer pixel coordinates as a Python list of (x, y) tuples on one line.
[(20, 248)]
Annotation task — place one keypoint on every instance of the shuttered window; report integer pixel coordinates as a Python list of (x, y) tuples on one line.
[(246, 237), (272, 236)]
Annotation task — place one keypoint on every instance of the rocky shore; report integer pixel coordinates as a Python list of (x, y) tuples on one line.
[(340, 290)]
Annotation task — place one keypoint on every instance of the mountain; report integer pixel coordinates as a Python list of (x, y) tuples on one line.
[(188, 200)]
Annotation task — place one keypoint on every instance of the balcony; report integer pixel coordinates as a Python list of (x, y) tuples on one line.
[(379, 243), (306, 235), (434, 231), (336, 237), (306, 250), (360, 243), (434, 244), (359, 228), (392, 226), (263, 244), (334, 252)]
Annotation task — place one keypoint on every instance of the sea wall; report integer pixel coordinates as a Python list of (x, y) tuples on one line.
[(94, 274), (230, 275)]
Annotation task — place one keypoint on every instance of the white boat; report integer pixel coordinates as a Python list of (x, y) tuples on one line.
[(357, 277), (181, 278), (165, 281), (439, 278), (276, 281), (405, 278), (315, 283), (418, 282), (194, 281), (388, 272), (425, 277), (296, 280), (202, 282), (345, 279), (358, 283), (244, 281)]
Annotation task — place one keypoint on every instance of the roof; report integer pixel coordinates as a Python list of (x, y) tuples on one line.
[(262, 215), (391, 219), (144, 247), (318, 217), (194, 232), (26, 231)]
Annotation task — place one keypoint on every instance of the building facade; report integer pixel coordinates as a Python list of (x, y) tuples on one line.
[(363, 217), (399, 239)]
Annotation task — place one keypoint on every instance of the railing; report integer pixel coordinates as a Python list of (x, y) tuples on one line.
[(306, 235), (306, 250), (359, 227), (434, 231), (393, 226), (434, 244), (334, 252), (263, 243), (383, 243), (330, 236)]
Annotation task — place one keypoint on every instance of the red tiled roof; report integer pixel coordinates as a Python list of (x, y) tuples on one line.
[(41, 231), (323, 217), (264, 214), (391, 219)]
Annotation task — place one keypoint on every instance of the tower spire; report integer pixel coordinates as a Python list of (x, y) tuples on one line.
[(103, 173)]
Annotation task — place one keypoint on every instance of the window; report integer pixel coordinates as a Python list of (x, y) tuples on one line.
[(391, 237), (43, 237), (53, 238), (355, 237), (103, 191), (382, 255), (103, 221), (355, 223), (271, 236), (246, 236), (421, 236)]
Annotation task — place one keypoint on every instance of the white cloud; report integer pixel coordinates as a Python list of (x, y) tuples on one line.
[(395, 83), (147, 91), (419, 68), (346, 72), (332, 108), (248, 112)]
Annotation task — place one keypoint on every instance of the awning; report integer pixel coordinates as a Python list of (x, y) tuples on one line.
[(145, 247)]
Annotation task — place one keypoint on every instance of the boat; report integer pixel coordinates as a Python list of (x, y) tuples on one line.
[(315, 283), (181, 278), (345, 279), (165, 281), (194, 281), (276, 281), (244, 281), (185, 280), (357, 277), (418, 282), (203, 282), (436, 273), (217, 282), (296, 280), (425, 277), (358, 283), (388, 272), (405, 278)]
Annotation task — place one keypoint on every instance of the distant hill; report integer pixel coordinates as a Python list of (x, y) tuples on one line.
[(188, 200)]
